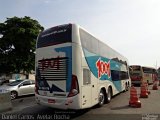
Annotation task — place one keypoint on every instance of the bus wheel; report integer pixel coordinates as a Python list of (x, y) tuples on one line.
[(148, 82), (109, 95), (101, 98), (126, 87)]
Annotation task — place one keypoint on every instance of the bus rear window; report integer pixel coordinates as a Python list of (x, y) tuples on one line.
[(148, 70), (136, 68), (55, 35)]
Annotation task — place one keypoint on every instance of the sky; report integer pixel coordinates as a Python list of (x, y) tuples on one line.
[(131, 27)]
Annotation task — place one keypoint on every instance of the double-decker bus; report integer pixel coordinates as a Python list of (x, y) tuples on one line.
[(140, 73), (75, 70)]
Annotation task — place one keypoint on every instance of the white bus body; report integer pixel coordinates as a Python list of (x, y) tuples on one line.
[(74, 70)]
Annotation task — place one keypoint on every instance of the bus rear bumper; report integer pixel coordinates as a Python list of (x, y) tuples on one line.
[(59, 103)]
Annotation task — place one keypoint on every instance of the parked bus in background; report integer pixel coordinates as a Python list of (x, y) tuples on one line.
[(75, 70), (142, 73)]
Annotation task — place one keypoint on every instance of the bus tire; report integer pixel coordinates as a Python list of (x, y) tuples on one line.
[(109, 95), (148, 82), (126, 87), (129, 85), (101, 98)]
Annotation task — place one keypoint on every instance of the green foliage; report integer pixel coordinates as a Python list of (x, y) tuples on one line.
[(17, 44)]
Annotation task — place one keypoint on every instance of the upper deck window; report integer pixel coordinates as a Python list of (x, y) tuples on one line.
[(55, 35)]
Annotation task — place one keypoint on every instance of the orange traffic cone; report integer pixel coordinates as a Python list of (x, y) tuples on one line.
[(146, 84), (144, 92), (155, 86), (134, 101)]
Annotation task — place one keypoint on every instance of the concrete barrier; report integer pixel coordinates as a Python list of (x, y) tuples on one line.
[(5, 100)]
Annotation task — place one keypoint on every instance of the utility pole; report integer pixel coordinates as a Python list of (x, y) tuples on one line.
[(156, 64)]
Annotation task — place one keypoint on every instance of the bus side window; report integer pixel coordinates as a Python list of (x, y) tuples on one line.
[(86, 76)]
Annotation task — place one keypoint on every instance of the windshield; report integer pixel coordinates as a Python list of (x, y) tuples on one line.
[(148, 70), (135, 68), (55, 35), (135, 71), (15, 83)]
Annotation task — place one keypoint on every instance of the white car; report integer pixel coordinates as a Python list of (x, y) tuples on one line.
[(20, 87)]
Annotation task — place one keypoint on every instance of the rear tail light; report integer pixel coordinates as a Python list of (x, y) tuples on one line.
[(74, 87), (136, 78), (51, 101)]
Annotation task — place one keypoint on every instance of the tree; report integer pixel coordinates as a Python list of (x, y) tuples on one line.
[(17, 44)]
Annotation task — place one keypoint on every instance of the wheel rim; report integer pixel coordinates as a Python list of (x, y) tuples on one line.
[(126, 87), (101, 98), (109, 95), (13, 95)]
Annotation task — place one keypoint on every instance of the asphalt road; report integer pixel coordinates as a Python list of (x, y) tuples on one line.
[(117, 109)]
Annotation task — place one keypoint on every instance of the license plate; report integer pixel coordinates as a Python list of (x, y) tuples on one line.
[(45, 93), (51, 101)]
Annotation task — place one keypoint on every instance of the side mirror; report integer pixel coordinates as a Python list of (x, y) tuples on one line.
[(20, 85)]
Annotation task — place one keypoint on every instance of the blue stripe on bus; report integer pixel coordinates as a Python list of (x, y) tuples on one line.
[(43, 85), (92, 58), (117, 84), (68, 52)]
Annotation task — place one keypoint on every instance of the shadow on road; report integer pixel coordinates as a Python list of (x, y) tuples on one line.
[(24, 96), (121, 107)]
